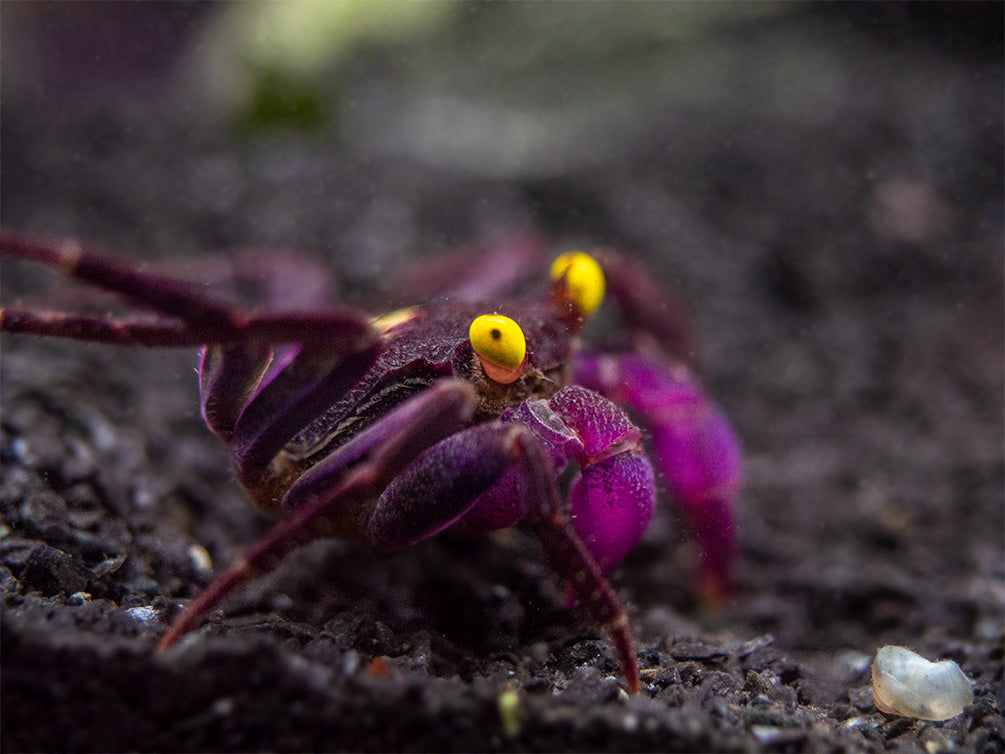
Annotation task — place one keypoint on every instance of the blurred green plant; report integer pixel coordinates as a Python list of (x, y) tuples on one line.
[(275, 64)]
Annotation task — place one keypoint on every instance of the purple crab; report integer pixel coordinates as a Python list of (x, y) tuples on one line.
[(458, 415)]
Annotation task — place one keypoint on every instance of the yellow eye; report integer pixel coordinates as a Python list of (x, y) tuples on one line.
[(585, 279), (500, 346)]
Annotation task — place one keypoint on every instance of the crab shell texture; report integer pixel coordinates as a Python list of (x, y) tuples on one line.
[(430, 343)]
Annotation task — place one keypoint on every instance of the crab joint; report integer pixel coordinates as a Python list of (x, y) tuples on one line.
[(500, 345)]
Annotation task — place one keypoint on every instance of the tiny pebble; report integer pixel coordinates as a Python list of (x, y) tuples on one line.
[(19, 447), (511, 712), (766, 734), (145, 614), (144, 585), (539, 651), (350, 662), (78, 598), (200, 558)]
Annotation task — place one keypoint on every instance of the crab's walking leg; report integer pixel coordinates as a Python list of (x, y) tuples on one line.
[(653, 314), (200, 320), (695, 449), (253, 406), (162, 294), (333, 498), (282, 405), (573, 561)]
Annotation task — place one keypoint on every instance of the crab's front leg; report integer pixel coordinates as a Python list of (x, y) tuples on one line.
[(695, 449)]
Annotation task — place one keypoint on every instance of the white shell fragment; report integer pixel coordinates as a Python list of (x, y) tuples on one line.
[(145, 614), (905, 683)]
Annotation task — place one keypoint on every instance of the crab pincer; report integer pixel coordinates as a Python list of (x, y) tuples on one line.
[(694, 448)]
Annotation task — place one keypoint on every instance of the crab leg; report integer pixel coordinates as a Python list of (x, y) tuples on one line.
[(695, 449), (256, 410), (162, 294), (332, 498), (653, 314), (200, 319), (228, 376), (429, 481), (450, 479), (312, 380), (96, 330), (573, 560)]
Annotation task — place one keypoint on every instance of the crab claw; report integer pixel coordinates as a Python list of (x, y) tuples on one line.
[(612, 496), (611, 503), (695, 450)]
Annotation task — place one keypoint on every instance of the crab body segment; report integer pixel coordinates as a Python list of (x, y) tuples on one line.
[(455, 416)]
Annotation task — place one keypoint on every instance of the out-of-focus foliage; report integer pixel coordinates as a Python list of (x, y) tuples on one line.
[(466, 80), (276, 63)]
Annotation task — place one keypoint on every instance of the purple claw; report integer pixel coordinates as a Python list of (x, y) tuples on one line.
[(695, 449), (611, 503), (612, 498)]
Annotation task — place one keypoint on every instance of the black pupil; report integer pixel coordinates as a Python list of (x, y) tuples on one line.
[(494, 332)]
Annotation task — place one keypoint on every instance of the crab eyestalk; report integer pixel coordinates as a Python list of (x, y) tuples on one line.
[(578, 286), (501, 347)]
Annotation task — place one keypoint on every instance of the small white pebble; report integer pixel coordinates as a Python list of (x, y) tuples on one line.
[(19, 447), (200, 558), (767, 734), (853, 660), (539, 651), (143, 497), (350, 662), (144, 614), (905, 683)]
